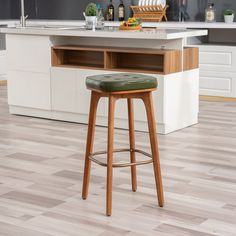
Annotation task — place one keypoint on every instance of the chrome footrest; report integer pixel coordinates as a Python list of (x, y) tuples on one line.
[(125, 164)]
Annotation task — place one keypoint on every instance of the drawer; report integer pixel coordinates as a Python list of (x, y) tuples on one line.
[(217, 58), (214, 83)]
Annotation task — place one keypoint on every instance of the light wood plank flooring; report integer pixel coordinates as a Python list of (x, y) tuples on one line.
[(41, 166)]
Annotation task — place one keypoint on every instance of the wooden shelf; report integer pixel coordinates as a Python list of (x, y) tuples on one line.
[(154, 61), (78, 57), (135, 62)]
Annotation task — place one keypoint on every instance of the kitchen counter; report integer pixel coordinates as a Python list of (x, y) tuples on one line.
[(108, 32), (217, 50), (169, 24), (47, 68)]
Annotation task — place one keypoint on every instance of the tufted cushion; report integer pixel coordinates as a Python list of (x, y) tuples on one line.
[(120, 82)]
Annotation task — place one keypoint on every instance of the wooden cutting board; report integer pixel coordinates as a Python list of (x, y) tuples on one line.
[(130, 28)]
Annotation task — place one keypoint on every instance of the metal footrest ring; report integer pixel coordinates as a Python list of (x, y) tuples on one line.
[(124, 164)]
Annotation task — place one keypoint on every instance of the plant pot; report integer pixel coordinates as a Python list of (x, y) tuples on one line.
[(90, 22), (229, 18)]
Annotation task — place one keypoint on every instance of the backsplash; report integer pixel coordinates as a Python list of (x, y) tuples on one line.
[(73, 9)]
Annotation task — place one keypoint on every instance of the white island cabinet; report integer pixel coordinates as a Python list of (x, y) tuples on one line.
[(47, 69)]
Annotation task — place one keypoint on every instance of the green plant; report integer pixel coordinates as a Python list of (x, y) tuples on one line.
[(91, 9), (228, 12)]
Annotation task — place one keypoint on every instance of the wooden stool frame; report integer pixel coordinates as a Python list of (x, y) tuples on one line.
[(146, 96)]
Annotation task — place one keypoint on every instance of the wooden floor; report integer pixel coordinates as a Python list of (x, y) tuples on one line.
[(41, 166)]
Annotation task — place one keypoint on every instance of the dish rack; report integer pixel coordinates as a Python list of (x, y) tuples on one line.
[(154, 13)]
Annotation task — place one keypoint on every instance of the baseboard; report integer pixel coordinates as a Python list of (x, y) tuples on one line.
[(216, 98)]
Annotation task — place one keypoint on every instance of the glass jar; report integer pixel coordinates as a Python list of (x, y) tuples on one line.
[(210, 13), (100, 19)]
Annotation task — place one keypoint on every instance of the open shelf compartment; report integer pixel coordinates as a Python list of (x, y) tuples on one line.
[(135, 62), (153, 61), (77, 57)]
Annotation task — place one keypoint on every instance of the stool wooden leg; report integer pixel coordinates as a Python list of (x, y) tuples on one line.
[(111, 114), (90, 138), (132, 143), (147, 98)]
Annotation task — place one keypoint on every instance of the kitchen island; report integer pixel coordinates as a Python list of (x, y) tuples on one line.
[(47, 68)]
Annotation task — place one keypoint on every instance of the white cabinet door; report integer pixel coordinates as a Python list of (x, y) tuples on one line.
[(28, 53), (64, 90), (215, 83), (217, 58), (84, 94), (28, 89), (69, 92)]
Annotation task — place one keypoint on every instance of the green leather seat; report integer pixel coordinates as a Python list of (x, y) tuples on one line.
[(120, 82)]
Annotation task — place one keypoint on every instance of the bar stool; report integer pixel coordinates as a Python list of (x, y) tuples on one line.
[(122, 86)]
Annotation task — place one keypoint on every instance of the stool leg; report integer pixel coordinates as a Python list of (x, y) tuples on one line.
[(111, 114), (132, 143), (90, 138), (147, 98)]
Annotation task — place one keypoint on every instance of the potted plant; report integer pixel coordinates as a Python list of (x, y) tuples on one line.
[(90, 15), (229, 16)]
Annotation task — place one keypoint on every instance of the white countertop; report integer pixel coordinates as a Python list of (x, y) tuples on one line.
[(193, 25), (108, 32), (169, 24)]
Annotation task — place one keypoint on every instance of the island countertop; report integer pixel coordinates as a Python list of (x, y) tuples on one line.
[(168, 24), (108, 32)]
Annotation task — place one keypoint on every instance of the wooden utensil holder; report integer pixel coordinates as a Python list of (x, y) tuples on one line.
[(154, 13)]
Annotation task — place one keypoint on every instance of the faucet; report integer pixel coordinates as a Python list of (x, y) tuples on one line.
[(23, 17)]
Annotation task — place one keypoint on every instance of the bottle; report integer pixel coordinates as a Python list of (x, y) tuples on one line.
[(121, 11), (210, 13), (111, 16)]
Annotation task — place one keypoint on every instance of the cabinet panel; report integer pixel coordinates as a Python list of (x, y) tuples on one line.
[(29, 53), (218, 58), (69, 92), (218, 83), (2, 64), (83, 94), (64, 90), (28, 89)]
